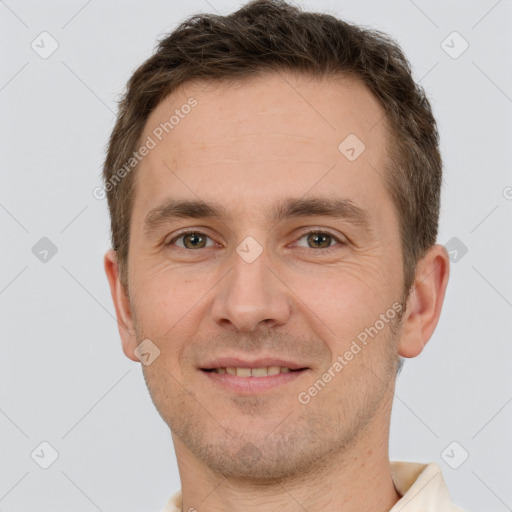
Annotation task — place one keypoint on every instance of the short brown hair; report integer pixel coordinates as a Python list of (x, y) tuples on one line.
[(272, 35)]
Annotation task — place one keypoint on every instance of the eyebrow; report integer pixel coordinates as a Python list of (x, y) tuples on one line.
[(287, 208)]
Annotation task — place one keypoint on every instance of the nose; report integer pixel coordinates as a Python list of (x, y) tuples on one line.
[(251, 296)]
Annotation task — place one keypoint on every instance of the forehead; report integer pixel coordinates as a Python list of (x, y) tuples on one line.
[(256, 137)]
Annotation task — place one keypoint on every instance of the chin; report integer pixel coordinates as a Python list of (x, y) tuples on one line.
[(250, 463), (261, 455)]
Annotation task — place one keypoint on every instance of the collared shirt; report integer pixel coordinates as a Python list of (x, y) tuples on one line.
[(421, 486)]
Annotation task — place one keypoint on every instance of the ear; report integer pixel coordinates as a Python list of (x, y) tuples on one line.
[(121, 304), (425, 301)]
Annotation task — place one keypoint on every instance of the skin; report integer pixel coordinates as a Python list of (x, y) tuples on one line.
[(247, 145)]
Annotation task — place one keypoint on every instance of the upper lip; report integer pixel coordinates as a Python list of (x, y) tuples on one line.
[(235, 362)]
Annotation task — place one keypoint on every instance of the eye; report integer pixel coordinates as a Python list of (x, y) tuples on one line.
[(191, 240), (317, 239)]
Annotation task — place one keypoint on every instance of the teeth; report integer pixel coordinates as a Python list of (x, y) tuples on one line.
[(253, 372), (274, 370), (258, 372)]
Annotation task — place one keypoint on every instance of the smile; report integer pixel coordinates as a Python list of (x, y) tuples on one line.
[(251, 372), (251, 379)]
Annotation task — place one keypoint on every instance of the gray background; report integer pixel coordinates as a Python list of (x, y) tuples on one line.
[(63, 376)]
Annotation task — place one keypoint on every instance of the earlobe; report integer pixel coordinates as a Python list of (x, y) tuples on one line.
[(121, 305), (425, 301)]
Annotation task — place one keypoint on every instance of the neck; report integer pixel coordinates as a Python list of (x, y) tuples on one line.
[(357, 479)]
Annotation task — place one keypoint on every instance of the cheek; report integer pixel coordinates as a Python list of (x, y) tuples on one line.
[(161, 315), (344, 297), (164, 296), (344, 307)]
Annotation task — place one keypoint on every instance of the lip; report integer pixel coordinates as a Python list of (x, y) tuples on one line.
[(251, 385), (224, 362)]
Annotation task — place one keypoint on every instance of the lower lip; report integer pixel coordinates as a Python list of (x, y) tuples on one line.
[(248, 385)]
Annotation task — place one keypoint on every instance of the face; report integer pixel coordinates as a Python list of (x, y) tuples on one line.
[(265, 266)]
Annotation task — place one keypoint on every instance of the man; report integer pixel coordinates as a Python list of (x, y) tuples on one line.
[(273, 181)]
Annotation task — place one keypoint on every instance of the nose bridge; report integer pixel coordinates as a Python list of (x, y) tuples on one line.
[(250, 293)]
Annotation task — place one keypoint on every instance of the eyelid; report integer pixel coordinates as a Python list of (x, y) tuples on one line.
[(311, 230), (322, 231), (187, 231)]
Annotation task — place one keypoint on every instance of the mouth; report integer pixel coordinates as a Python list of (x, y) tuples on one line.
[(245, 377), (263, 371)]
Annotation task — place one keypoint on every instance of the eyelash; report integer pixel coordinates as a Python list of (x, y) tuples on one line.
[(306, 233)]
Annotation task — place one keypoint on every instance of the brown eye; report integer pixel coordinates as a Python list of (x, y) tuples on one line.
[(190, 240), (323, 241), (319, 240), (194, 240)]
